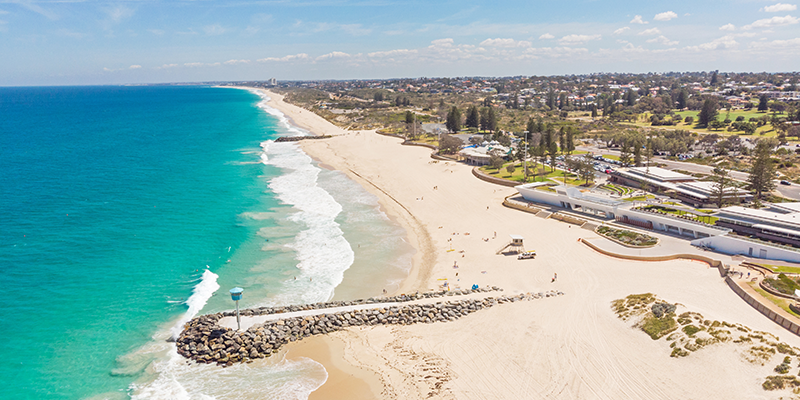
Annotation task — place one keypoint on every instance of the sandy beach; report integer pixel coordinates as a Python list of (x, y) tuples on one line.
[(570, 347)]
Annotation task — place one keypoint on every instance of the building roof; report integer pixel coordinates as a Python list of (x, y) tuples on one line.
[(660, 174), (791, 220)]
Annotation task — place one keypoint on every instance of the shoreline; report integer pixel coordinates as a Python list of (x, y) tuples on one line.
[(359, 382), (418, 236)]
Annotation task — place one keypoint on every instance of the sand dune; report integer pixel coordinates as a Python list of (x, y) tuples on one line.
[(573, 347)]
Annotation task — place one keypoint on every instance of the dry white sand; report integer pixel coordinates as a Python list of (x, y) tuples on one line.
[(570, 347)]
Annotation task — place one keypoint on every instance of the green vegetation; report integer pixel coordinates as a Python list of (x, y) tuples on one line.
[(783, 284), (536, 173), (691, 330), (778, 301), (675, 211), (658, 327), (777, 382), (781, 268), (628, 237)]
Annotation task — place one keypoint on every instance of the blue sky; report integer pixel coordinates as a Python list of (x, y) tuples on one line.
[(97, 42)]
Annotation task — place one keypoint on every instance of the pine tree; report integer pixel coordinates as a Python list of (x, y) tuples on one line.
[(683, 98), (763, 103), (708, 113), (594, 110), (492, 120), (473, 117), (721, 183), (762, 172), (453, 123)]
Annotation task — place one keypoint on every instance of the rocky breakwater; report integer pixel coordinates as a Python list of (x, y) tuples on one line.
[(204, 341)]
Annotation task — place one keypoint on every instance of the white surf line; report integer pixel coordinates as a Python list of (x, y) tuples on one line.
[(248, 321)]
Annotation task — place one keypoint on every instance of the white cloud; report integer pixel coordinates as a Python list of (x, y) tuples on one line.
[(547, 36), (194, 64), (650, 32), (392, 53), (234, 62), (727, 27), (621, 30), (638, 20), (725, 42), (665, 16), (772, 22), (156, 31), (3, 12), (779, 7), (505, 43), (442, 42), (332, 55), (576, 39), (135, 66), (293, 57), (213, 30), (166, 66), (119, 12), (663, 40)]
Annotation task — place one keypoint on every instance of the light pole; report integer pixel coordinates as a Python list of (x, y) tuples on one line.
[(236, 295), (525, 158)]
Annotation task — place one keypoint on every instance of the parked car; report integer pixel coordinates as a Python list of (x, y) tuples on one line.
[(784, 182), (526, 255)]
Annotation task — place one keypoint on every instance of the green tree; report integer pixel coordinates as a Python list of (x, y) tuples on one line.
[(409, 118), (708, 113), (637, 155), (570, 141), (492, 120), (594, 110), (762, 172), (683, 99), (721, 184), (714, 79), (473, 117), (763, 103), (449, 144), (453, 122), (496, 161)]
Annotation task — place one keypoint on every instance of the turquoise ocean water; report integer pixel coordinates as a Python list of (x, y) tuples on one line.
[(124, 211)]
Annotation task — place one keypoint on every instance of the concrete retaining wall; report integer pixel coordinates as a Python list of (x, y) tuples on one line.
[(527, 207), (791, 326), (719, 265), (498, 181)]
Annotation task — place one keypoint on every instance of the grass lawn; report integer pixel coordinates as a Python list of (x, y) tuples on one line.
[(519, 173), (702, 218), (781, 268), (427, 140), (765, 131), (779, 301), (611, 156), (640, 198)]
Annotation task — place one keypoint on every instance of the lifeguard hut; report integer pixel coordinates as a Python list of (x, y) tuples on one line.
[(236, 295), (515, 245)]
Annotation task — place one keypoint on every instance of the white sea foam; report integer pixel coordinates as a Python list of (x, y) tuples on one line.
[(323, 254), (200, 295)]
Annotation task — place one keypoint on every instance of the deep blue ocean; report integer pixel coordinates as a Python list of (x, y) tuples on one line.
[(124, 211)]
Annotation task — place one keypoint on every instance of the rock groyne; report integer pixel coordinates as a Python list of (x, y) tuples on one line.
[(205, 341), (299, 138)]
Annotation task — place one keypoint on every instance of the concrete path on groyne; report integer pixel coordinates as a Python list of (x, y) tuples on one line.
[(249, 321)]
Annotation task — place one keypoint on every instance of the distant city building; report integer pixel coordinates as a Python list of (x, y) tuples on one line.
[(273, 82)]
